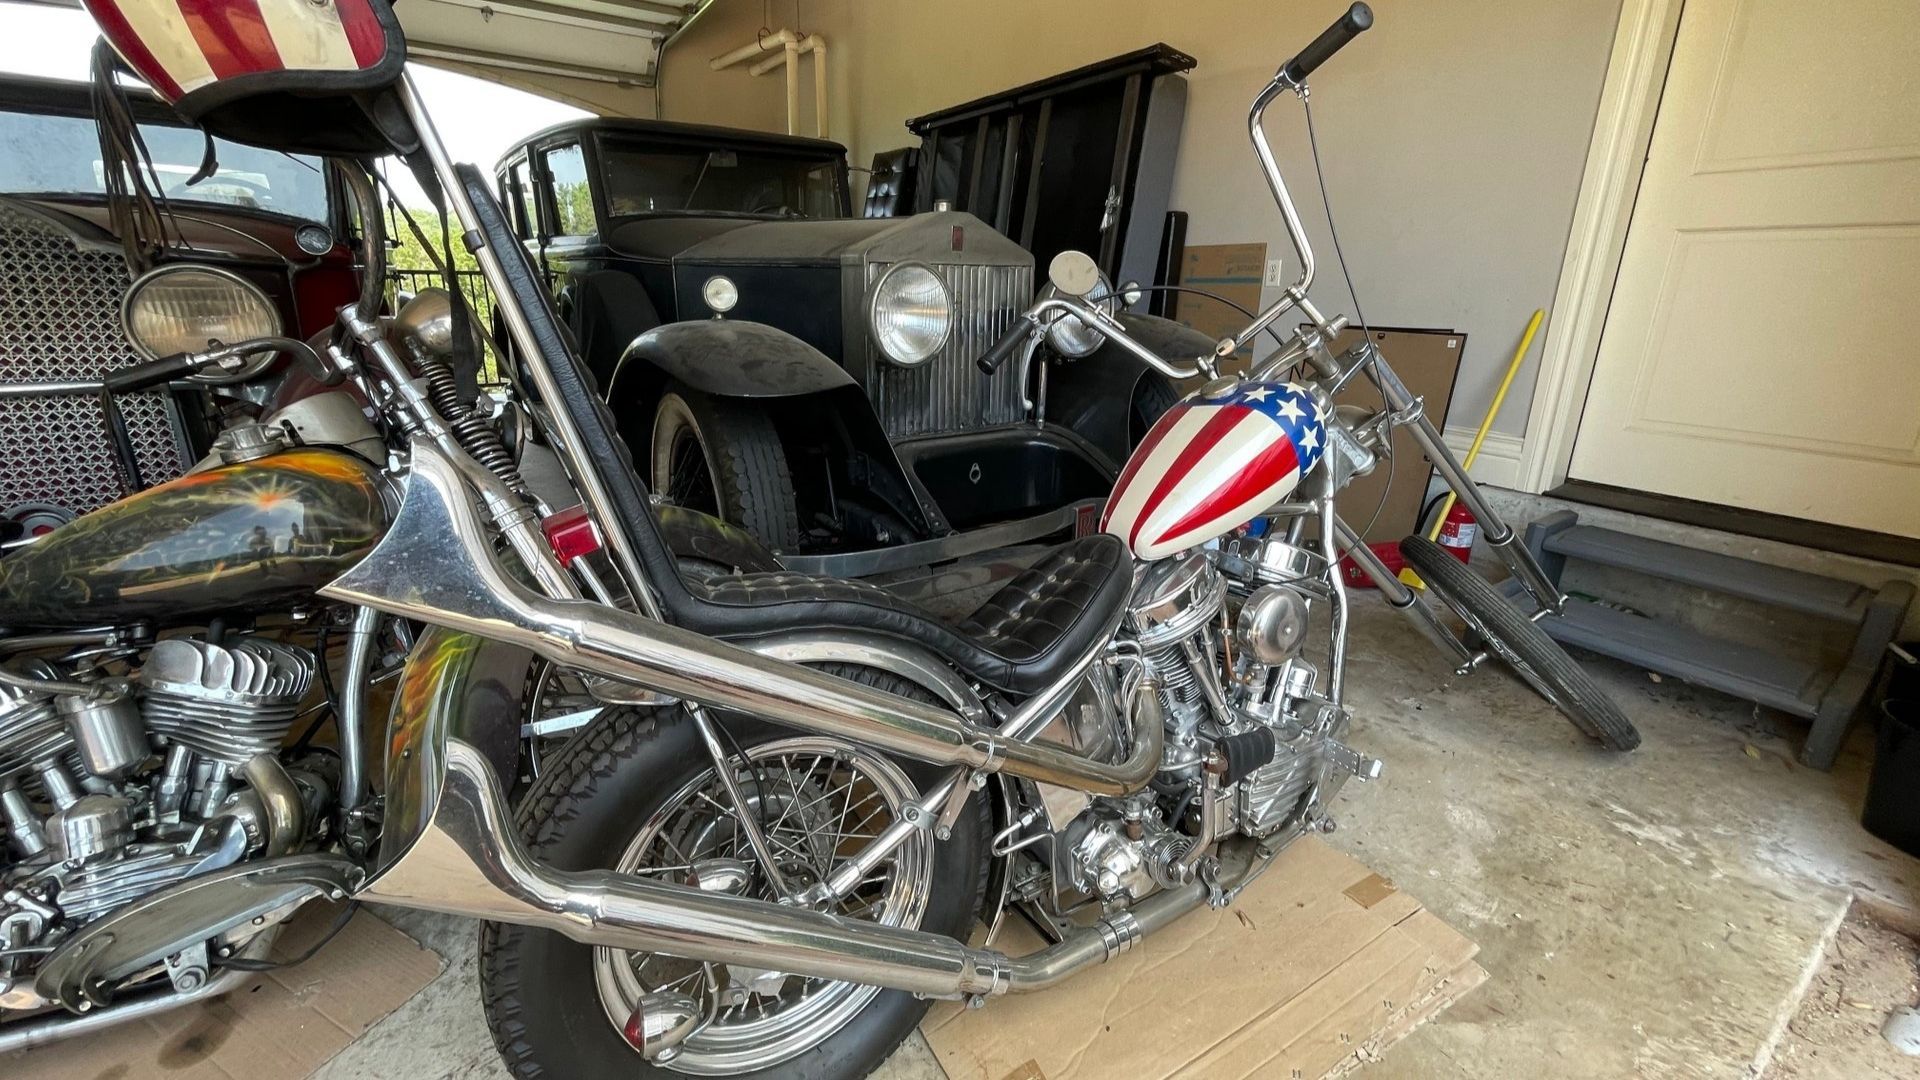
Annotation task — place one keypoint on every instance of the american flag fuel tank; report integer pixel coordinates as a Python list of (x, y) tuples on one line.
[(1214, 462)]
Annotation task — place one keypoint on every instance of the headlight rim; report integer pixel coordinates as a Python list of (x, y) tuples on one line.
[(253, 366), (1104, 296), (873, 305)]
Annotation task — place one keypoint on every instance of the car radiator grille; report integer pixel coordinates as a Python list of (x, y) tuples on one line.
[(948, 393), (60, 321)]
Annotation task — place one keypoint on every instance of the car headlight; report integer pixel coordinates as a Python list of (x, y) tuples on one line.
[(911, 313), (1067, 334), (181, 308)]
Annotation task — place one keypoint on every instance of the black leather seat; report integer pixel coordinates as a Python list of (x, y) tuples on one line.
[(1022, 640), (891, 185)]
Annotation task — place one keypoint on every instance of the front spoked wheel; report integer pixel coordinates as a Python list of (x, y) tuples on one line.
[(636, 791), (1525, 647)]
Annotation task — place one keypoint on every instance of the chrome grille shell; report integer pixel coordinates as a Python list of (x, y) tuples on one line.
[(947, 393), (60, 302)]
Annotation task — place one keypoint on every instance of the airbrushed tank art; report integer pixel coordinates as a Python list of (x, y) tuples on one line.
[(237, 538), (1213, 463)]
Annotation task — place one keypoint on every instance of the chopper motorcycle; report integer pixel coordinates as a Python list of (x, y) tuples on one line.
[(771, 853)]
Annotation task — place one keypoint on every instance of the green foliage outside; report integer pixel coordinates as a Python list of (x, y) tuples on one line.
[(411, 269)]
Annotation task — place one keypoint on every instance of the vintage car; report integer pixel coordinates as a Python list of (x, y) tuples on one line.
[(253, 248), (811, 376)]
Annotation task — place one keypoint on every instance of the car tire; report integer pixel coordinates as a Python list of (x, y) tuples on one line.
[(1153, 395), (724, 457)]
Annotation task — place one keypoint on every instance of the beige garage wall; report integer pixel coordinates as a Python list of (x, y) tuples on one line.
[(1453, 133)]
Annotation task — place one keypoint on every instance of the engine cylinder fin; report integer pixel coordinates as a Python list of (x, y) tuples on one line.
[(225, 702)]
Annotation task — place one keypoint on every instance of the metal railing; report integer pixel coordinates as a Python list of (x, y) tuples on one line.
[(402, 283)]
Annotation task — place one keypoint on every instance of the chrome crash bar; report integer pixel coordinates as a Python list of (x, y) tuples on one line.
[(436, 565)]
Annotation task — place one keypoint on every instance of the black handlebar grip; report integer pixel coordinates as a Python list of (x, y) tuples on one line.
[(1358, 18), (1003, 349), (149, 373)]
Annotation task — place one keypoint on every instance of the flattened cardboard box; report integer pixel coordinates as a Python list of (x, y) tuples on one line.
[(280, 1025), (1316, 968)]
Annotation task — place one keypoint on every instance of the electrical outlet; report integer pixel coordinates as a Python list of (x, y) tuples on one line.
[(1274, 270)]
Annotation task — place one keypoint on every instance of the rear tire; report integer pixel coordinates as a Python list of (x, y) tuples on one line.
[(547, 1015), (723, 457), (1533, 655)]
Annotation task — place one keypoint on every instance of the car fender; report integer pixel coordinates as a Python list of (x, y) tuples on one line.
[(725, 357), (1092, 396)]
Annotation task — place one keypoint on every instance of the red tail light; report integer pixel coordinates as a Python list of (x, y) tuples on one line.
[(570, 534)]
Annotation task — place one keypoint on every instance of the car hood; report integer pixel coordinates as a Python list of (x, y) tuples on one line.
[(191, 228), (943, 237)]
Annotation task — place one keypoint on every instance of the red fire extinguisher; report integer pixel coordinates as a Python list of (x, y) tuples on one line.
[(1458, 530)]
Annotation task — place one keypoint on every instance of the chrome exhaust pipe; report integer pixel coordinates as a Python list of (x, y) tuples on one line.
[(437, 566), (470, 861)]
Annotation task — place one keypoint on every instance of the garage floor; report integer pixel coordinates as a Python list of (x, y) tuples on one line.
[(1655, 914)]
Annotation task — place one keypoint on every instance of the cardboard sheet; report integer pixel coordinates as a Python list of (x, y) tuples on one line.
[(1427, 361), (281, 1025), (1319, 966)]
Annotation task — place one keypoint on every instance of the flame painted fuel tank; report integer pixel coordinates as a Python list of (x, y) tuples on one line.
[(238, 538), (1214, 462)]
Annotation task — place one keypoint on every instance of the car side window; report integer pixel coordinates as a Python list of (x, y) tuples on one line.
[(517, 197), (566, 168)]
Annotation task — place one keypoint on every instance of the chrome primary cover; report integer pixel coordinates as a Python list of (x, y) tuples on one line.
[(60, 322)]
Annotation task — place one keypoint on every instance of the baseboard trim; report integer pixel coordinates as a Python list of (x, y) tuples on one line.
[(1499, 462)]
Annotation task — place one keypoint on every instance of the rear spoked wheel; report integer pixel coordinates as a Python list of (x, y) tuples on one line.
[(1516, 639), (636, 790)]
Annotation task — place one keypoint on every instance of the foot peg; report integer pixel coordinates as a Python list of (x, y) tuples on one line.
[(660, 1023)]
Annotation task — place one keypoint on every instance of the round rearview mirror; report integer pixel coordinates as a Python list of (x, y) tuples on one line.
[(1074, 273)]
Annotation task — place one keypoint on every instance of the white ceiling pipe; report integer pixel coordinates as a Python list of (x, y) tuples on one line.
[(771, 43), (816, 45)]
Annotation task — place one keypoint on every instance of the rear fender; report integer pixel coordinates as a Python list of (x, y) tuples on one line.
[(454, 685)]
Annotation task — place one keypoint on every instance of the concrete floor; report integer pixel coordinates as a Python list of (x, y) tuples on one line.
[(1654, 914)]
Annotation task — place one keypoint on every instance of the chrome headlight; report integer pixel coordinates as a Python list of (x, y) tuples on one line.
[(181, 308), (1067, 334), (911, 313)]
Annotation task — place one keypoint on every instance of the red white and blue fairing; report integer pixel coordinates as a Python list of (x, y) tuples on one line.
[(1213, 463)]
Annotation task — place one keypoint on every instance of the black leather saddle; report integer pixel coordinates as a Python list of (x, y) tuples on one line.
[(1023, 639)]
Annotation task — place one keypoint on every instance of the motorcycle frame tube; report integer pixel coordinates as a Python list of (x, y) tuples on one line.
[(573, 455), (437, 566), (470, 861), (1398, 594)]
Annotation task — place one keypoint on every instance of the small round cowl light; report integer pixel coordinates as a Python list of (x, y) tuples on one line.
[(721, 294), (182, 308), (911, 313)]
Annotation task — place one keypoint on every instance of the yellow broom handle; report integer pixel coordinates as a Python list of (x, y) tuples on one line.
[(1486, 425)]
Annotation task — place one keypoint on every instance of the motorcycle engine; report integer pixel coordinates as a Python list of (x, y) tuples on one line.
[(1252, 745), (109, 796)]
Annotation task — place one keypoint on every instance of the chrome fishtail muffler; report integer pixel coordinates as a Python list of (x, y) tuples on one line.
[(436, 565), (469, 861)]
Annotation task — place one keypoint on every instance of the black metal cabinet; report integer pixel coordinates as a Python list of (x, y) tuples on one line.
[(1081, 160)]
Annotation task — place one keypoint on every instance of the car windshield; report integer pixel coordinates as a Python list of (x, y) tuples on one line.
[(44, 154), (646, 178)]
